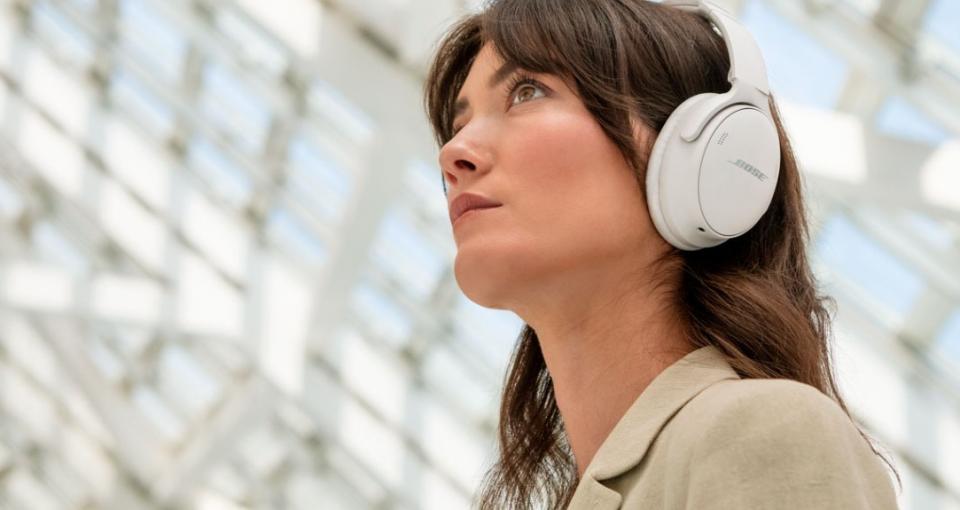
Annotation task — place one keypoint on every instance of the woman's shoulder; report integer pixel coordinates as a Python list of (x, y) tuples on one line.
[(784, 412), (758, 398), (778, 437)]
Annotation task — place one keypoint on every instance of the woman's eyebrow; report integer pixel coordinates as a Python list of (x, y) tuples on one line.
[(505, 70)]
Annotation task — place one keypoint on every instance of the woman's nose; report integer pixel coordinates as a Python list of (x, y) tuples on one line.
[(461, 159)]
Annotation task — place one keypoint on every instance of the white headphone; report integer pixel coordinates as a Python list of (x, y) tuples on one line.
[(715, 164)]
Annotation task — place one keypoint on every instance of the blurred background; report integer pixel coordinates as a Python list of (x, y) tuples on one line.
[(226, 263)]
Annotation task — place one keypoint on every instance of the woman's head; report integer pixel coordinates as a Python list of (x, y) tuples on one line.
[(561, 140), (570, 201), (567, 159)]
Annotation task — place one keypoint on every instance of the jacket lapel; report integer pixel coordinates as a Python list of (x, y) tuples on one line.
[(593, 495), (630, 438)]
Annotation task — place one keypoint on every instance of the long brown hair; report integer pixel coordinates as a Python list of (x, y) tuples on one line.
[(754, 297)]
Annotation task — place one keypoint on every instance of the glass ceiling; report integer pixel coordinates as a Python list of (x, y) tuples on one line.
[(225, 259)]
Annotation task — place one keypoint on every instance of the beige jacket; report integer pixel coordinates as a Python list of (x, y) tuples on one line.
[(701, 438)]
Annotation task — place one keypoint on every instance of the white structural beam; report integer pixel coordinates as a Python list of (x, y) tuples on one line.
[(248, 405), (138, 445), (381, 166)]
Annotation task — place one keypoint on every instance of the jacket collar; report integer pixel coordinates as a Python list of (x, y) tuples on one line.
[(631, 437)]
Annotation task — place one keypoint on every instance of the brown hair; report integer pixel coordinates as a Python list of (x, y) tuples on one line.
[(754, 297)]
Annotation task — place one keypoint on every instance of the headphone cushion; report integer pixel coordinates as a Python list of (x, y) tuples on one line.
[(658, 163)]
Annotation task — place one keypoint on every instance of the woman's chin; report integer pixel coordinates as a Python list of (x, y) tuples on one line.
[(482, 282)]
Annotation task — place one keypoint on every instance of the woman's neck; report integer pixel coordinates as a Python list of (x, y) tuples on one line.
[(602, 356)]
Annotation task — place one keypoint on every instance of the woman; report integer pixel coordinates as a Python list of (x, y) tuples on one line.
[(646, 375)]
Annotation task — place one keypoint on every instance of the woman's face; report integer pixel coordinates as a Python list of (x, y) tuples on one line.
[(572, 210)]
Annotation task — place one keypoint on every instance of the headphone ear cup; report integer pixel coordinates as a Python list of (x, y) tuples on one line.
[(716, 187), (739, 170)]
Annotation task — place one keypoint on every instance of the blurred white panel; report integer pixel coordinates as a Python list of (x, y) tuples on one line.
[(488, 332), (89, 460), (376, 445), (435, 493), (827, 143), (899, 117), (295, 22), (60, 94), (69, 486), (206, 303), (128, 91), (393, 324), (127, 298), (9, 36), (941, 20), (262, 452), (185, 380), (26, 348), (886, 280), (152, 35), (287, 301), (253, 48), (27, 492), (334, 105), (453, 446), (210, 500), (158, 412), (935, 231), (225, 484), (139, 231), (406, 255), (318, 177), (67, 40), (219, 235), (866, 7), (425, 184), (229, 182), (137, 161), (6, 457), (10, 202), (940, 176), (231, 104), (792, 56), (424, 17), (948, 460), (377, 376), (25, 402), (289, 231), (57, 158), (110, 365), (37, 286), (872, 386), (304, 491), (462, 385), (54, 247)]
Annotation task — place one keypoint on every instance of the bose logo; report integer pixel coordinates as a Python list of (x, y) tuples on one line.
[(752, 170)]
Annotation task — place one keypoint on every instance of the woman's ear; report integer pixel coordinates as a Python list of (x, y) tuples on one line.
[(641, 133), (643, 139)]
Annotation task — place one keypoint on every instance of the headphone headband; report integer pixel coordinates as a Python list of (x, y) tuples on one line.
[(746, 59), (715, 164)]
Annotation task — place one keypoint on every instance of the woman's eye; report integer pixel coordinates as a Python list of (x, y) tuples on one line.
[(526, 91)]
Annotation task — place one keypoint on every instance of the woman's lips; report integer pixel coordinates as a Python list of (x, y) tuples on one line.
[(471, 212), (466, 201)]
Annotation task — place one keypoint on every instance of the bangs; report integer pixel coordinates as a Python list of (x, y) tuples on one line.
[(521, 35), (560, 37)]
